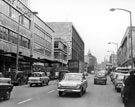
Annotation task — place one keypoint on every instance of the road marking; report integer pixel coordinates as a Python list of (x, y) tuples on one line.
[(25, 101), (51, 91)]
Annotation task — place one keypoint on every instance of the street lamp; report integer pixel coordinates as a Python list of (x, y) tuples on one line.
[(17, 51), (113, 9), (117, 49)]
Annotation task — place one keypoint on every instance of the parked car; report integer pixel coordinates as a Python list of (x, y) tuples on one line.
[(38, 78), (17, 77), (5, 87), (100, 77), (123, 87), (118, 82), (72, 83)]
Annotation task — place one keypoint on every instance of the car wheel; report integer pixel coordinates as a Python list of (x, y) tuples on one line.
[(95, 82), (30, 85), (85, 91), (60, 93), (81, 93), (47, 83), (7, 95)]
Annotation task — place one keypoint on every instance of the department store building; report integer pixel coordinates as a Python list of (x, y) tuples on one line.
[(26, 32)]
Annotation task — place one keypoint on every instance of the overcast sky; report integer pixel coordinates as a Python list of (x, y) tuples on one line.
[(92, 19)]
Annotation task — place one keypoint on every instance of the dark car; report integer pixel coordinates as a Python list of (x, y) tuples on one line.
[(61, 74), (5, 87), (100, 77), (17, 77), (123, 88)]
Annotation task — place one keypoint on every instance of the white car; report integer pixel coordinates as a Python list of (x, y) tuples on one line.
[(38, 78), (72, 82)]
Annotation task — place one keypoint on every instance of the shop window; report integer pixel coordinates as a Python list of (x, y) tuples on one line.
[(25, 42)]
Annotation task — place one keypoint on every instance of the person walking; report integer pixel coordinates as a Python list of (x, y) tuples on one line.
[(130, 90)]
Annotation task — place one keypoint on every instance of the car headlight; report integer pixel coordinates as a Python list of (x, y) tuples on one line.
[(78, 86)]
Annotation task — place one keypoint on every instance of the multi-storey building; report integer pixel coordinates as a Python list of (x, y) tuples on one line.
[(60, 52), (28, 33), (67, 31), (124, 52)]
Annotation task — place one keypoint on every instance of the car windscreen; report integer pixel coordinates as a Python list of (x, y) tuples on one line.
[(36, 75), (73, 77)]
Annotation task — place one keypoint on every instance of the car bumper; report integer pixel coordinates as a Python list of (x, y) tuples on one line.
[(34, 82), (100, 80), (69, 90)]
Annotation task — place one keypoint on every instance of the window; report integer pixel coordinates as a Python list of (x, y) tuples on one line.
[(12, 37), (26, 22), (25, 42), (56, 44), (5, 8), (56, 55), (15, 14), (38, 48), (3, 33), (48, 53)]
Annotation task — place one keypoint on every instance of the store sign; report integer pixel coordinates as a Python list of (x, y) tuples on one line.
[(18, 5)]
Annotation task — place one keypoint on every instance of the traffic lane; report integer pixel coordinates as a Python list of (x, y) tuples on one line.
[(96, 96), (24, 93), (104, 95)]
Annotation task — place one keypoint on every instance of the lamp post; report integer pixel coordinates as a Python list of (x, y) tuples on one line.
[(113, 9), (17, 50), (117, 49)]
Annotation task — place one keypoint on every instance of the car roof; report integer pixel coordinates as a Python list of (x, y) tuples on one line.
[(38, 72), (75, 73), (64, 71)]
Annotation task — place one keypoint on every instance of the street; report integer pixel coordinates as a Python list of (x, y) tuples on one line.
[(47, 96)]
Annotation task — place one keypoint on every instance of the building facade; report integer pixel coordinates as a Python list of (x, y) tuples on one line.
[(68, 33), (124, 51), (60, 51), (28, 33)]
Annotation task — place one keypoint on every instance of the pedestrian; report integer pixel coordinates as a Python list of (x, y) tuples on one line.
[(130, 90)]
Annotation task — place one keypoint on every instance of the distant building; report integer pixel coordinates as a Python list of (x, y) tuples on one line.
[(68, 33), (60, 50)]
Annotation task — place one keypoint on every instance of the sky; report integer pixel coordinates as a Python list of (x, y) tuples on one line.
[(93, 20)]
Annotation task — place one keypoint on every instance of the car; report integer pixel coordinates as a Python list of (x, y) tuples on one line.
[(17, 77), (118, 82), (38, 78), (72, 83), (5, 87), (123, 88), (100, 77)]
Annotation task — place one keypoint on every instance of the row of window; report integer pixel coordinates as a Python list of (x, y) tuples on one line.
[(60, 45), (12, 37), (41, 49), (43, 34), (14, 14)]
